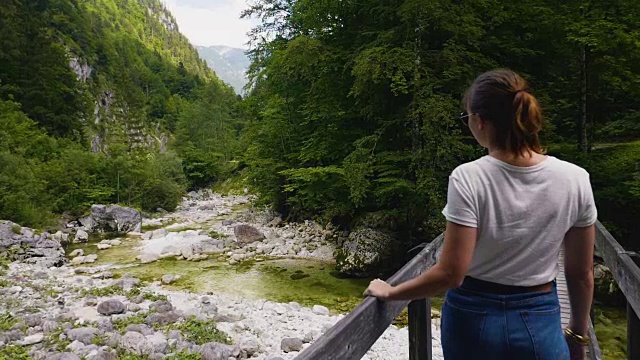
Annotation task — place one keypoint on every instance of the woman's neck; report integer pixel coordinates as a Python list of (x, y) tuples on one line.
[(528, 158)]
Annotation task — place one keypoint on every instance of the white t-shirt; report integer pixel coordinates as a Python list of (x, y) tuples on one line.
[(521, 213)]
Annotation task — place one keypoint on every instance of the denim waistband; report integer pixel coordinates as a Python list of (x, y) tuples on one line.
[(474, 284)]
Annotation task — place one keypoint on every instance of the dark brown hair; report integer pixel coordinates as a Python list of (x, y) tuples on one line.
[(503, 98)]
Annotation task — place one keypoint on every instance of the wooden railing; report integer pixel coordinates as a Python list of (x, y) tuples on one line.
[(352, 336)]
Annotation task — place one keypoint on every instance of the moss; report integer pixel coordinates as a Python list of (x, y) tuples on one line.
[(16, 229), (122, 254), (611, 332)]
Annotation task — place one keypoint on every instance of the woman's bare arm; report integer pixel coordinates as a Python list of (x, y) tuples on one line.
[(578, 268), (457, 252)]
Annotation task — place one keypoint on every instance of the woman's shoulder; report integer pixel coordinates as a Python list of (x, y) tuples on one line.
[(567, 168), (471, 167)]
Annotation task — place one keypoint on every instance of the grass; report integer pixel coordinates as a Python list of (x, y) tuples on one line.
[(7, 321), (53, 340), (216, 235), (196, 331), (6, 283), (116, 290), (121, 324), (200, 331), (14, 352), (183, 228)]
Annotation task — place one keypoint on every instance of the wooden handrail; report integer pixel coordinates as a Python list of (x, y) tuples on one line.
[(353, 335), (627, 275)]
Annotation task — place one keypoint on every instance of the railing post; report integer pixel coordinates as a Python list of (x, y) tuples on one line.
[(420, 329), (633, 334), (633, 328)]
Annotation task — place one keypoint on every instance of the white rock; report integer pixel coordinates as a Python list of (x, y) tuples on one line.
[(32, 339), (149, 257), (76, 252), (103, 246), (159, 233), (320, 310), (81, 236)]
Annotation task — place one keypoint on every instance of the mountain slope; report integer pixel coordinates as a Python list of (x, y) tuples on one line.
[(104, 101), (229, 63)]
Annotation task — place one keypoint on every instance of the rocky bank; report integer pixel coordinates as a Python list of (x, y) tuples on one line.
[(82, 305)]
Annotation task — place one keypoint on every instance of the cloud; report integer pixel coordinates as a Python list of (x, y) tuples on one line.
[(211, 22)]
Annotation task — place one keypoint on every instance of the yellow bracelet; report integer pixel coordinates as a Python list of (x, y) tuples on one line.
[(582, 340)]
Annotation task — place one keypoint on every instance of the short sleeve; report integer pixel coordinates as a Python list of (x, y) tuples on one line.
[(588, 213), (461, 203)]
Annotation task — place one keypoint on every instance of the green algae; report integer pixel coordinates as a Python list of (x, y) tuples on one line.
[(123, 254), (265, 278), (305, 281)]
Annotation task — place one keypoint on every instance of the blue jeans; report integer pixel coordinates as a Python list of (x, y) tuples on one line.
[(485, 326)]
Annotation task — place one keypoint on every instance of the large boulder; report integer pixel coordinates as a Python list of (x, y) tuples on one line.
[(365, 252), (247, 234), (22, 244), (112, 218)]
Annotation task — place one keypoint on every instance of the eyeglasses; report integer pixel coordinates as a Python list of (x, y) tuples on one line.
[(464, 117)]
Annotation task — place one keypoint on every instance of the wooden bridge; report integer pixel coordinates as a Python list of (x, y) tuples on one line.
[(351, 337)]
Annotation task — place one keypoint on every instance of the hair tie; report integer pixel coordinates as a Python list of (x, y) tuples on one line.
[(519, 91)]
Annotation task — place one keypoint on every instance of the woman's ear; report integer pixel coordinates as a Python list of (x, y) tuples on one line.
[(481, 123)]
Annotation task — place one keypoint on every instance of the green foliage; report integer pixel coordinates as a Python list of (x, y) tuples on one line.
[(121, 323), (615, 179), (7, 321), (153, 297), (14, 352), (216, 235), (200, 331), (355, 104), (138, 79)]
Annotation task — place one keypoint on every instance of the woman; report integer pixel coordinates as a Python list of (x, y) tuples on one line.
[(508, 214)]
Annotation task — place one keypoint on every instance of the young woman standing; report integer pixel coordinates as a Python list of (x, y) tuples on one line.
[(508, 216)]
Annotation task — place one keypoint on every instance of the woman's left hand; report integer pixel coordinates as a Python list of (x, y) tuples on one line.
[(379, 289)]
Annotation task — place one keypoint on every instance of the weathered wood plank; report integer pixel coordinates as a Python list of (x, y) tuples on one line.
[(352, 336), (420, 330), (594, 352), (624, 270), (563, 292)]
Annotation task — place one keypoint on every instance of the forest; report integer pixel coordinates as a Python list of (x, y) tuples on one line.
[(354, 111), (351, 115), (104, 101)]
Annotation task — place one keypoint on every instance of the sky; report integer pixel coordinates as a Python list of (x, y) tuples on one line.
[(211, 22)]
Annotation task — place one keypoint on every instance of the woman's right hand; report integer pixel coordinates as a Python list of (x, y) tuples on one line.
[(577, 351)]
